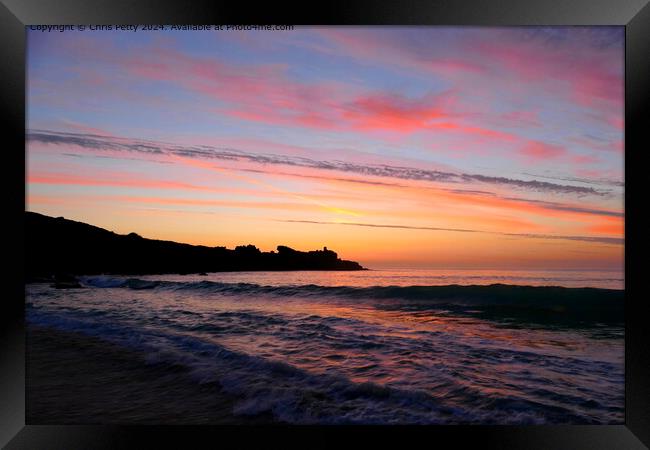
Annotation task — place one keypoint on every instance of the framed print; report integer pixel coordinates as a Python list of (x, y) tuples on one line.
[(389, 222)]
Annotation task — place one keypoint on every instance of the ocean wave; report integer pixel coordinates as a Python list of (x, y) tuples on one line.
[(514, 303), (500, 292), (299, 396)]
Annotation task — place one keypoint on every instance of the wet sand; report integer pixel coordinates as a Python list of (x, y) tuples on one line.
[(77, 379)]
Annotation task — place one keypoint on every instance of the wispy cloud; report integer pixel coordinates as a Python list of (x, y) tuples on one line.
[(595, 239), (569, 208), (598, 182), (76, 155), (95, 142)]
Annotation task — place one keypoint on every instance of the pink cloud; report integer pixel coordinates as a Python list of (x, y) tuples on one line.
[(540, 151), (129, 180), (618, 122), (265, 93), (573, 71), (480, 131), (585, 159), (392, 112), (256, 92)]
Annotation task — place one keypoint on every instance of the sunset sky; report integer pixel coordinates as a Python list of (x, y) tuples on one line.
[(397, 146)]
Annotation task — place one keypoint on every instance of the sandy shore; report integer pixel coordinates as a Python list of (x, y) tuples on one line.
[(76, 379)]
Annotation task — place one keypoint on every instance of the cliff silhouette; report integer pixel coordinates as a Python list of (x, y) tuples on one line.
[(58, 247)]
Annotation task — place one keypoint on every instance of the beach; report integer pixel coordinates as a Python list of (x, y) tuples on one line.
[(77, 379)]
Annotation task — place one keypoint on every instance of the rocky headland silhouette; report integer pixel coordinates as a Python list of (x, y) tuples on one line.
[(59, 249)]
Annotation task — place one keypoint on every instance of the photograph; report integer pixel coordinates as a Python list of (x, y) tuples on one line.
[(325, 225)]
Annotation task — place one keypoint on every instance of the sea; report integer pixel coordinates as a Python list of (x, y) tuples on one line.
[(389, 346)]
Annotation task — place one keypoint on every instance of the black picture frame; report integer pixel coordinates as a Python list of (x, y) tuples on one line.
[(634, 15)]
